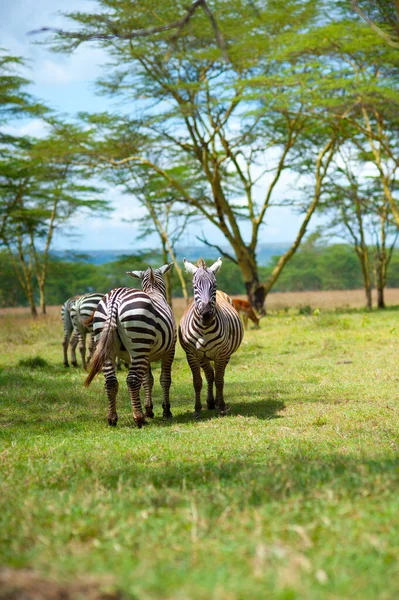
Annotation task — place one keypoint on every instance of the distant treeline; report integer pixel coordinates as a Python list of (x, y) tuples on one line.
[(314, 267)]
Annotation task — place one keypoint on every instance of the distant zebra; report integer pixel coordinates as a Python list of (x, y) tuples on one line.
[(69, 332), (210, 330), (81, 311), (139, 327)]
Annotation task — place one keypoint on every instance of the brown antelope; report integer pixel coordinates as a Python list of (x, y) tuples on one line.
[(244, 307)]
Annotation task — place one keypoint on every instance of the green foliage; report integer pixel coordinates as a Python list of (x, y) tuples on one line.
[(314, 267), (15, 101)]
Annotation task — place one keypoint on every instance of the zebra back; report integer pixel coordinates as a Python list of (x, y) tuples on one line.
[(83, 309), (133, 324), (66, 314)]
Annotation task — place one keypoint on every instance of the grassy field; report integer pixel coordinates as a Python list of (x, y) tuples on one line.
[(294, 494)]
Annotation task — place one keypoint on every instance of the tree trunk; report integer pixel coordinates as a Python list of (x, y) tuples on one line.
[(42, 298), (178, 270), (246, 261), (168, 285), (31, 300), (380, 296), (363, 256), (256, 293), (369, 298)]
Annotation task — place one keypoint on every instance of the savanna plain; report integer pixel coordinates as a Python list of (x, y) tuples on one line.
[(293, 494)]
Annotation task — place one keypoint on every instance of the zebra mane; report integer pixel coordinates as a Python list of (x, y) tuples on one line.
[(151, 276), (201, 263), (153, 280)]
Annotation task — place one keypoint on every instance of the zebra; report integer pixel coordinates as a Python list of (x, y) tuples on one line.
[(139, 327), (69, 332), (80, 313), (210, 330)]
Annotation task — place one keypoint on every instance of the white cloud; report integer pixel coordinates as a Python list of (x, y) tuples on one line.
[(34, 128), (48, 71), (84, 65)]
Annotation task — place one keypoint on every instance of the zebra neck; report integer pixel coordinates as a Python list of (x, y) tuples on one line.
[(155, 293), (199, 322)]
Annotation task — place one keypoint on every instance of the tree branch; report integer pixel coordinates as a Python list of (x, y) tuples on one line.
[(218, 248)]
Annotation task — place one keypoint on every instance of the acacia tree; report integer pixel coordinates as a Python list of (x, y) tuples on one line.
[(360, 213), (42, 187), (15, 102), (358, 89), (219, 133)]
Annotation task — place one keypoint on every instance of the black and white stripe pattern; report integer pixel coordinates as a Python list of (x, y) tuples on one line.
[(80, 312), (139, 327), (210, 330), (69, 332)]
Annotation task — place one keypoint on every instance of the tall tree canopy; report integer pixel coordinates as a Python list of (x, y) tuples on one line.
[(42, 181), (218, 126), (218, 133)]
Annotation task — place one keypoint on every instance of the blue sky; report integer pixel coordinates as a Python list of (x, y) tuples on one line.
[(67, 84)]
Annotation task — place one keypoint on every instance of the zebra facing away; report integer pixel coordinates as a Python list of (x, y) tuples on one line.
[(69, 332), (80, 312), (210, 330), (139, 327)]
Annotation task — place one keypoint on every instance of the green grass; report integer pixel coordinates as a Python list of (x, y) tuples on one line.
[(294, 494)]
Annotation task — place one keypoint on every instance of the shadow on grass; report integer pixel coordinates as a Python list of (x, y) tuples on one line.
[(256, 480), (38, 398), (48, 399), (261, 409)]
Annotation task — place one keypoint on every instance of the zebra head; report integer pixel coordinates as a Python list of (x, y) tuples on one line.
[(204, 287), (152, 279)]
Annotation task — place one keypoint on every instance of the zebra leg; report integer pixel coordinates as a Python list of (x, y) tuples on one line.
[(210, 378), (111, 388), (74, 343), (166, 382), (197, 382), (92, 347), (148, 383), (65, 344), (134, 380), (82, 349), (220, 367)]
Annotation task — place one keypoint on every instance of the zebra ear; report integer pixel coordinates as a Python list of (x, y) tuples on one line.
[(216, 266), (138, 274), (166, 268), (190, 268)]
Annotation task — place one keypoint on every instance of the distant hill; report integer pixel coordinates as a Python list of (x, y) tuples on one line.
[(100, 257)]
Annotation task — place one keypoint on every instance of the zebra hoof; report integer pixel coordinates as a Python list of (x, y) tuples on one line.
[(140, 421), (149, 413), (211, 405), (74, 364), (66, 365), (112, 422), (167, 415), (224, 411), (197, 415)]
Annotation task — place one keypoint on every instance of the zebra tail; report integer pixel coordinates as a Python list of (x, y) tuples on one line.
[(103, 352), (89, 322)]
